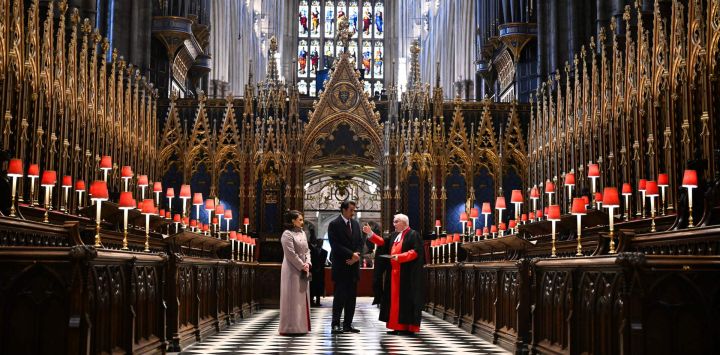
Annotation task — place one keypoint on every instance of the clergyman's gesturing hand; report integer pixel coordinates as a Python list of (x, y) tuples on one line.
[(367, 230)]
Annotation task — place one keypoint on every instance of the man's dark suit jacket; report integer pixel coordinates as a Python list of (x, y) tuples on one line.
[(343, 246)]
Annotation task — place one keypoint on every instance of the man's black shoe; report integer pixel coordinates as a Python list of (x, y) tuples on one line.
[(350, 329), (393, 332), (336, 329)]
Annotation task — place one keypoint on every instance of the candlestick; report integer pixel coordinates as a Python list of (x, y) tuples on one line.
[(612, 233), (125, 229)]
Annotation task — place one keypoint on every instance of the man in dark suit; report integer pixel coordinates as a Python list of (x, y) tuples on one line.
[(346, 245)]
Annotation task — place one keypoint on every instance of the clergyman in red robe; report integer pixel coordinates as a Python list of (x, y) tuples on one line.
[(402, 300)]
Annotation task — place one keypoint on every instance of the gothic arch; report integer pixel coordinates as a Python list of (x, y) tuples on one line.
[(344, 112)]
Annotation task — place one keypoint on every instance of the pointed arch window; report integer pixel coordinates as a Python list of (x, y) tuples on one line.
[(317, 48)]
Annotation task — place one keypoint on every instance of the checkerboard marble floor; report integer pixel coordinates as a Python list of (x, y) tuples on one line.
[(258, 334)]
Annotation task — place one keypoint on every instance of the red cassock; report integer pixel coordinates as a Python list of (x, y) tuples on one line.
[(402, 257)]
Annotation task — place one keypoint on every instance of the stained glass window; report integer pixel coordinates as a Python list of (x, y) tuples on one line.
[(317, 47)]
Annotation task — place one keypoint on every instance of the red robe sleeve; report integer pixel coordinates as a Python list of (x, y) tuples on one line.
[(375, 239), (407, 256)]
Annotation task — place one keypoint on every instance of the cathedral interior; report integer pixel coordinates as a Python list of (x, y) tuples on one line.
[(558, 158)]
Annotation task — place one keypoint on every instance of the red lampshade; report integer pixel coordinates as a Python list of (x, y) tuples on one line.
[(610, 197), (197, 199), (652, 189), (524, 217), (456, 238), (531, 215), (503, 227), (549, 187), (642, 185), (432, 242), (142, 180), (210, 204), (176, 218), (157, 186), (516, 196), (578, 206), (570, 179), (469, 224), (593, 171), (185, 191), (33, 170), (148, 206), (15, 168), (126, 200), (193, 223), (553, 213), (106, 162), (246, 221), (512, 223), (99, 190), (478, 231), (233, 235), (162, 212), (587, 200), (500, 203), (126, 172), (545, 211), (80, 185), (626, 189), (168, 215), (170, 193), (205, 227), (534, 193), (219, 210), (663, 180), (186, 220), (599, 196), (486, 208), (474, 213), (463, 217), (539, 213), (689, 179), (228, 214), (49, 178), (486, 230), (493, 229), (437, 223), (67, 181)]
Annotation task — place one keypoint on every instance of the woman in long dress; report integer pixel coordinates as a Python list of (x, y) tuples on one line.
[(294, 295)]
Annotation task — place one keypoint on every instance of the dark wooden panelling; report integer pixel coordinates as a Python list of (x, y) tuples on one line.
[(58, 295)]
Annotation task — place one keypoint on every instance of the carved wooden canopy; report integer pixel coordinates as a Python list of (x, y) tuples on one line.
[(343, 135)]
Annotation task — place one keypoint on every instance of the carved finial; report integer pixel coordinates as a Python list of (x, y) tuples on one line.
[(75, 17), (86, 28), (62, 6), (343, 33), (626, 14)]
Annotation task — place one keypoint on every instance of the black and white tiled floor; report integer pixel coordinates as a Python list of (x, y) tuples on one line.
[(258, 334)]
